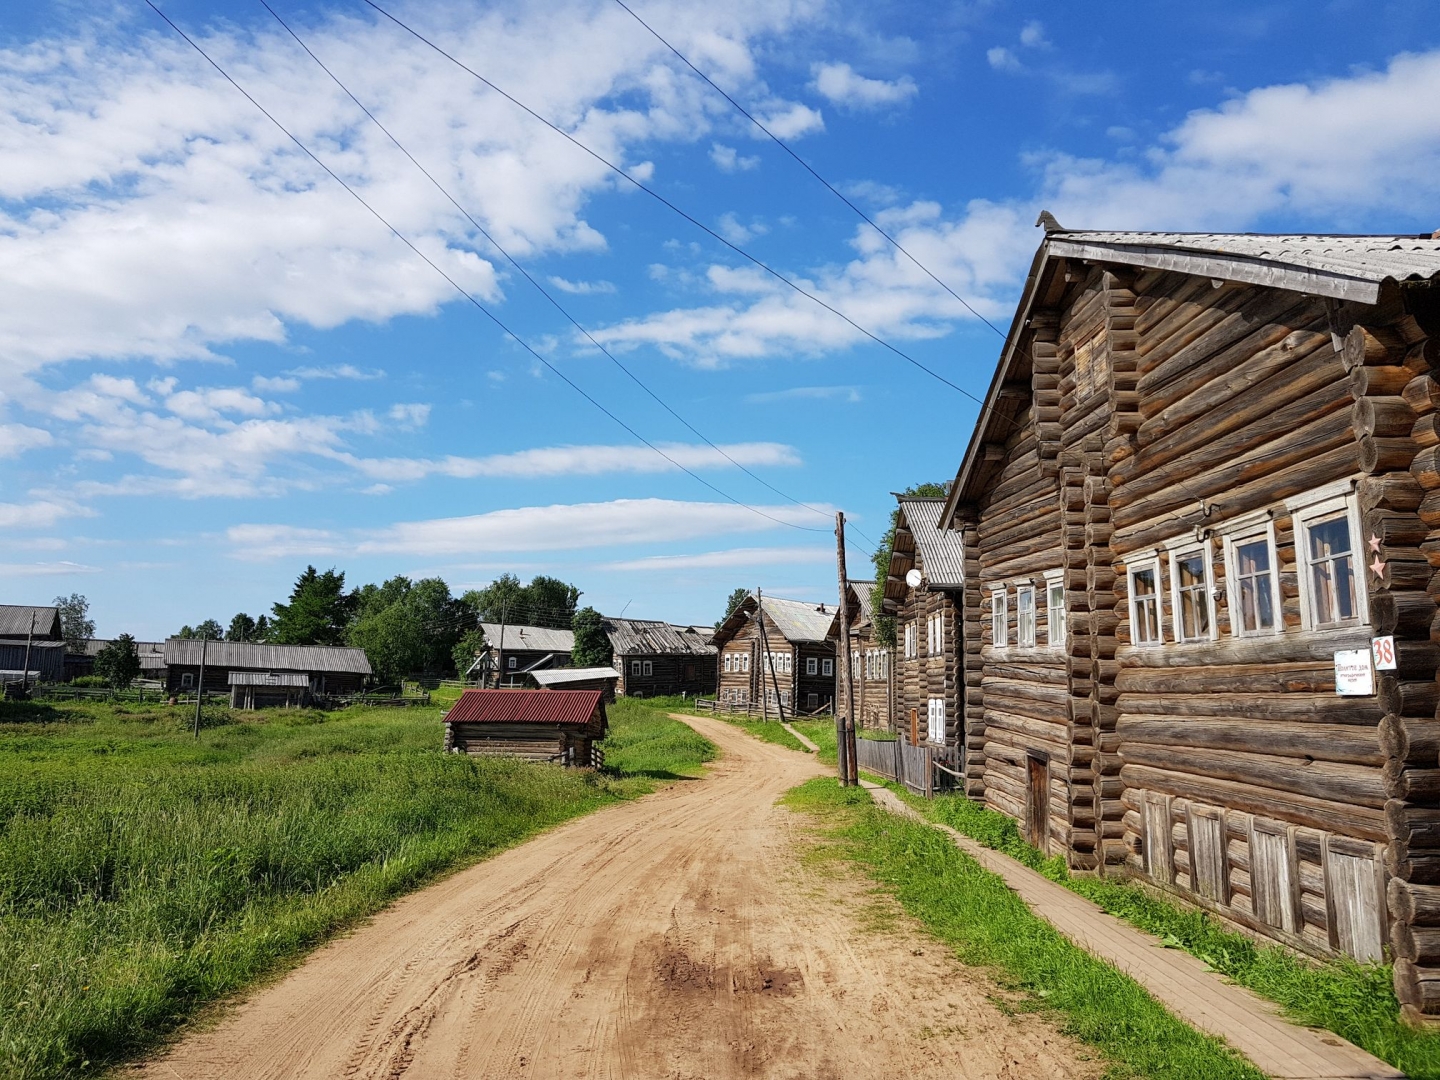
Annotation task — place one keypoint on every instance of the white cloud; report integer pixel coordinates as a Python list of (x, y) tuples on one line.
[(1002, 59), (15, 439), (211, 404), (528, 529), (411, 415), (337, 371), (733, 230), (580, 461), (582, 288), (793, 121), (278, 384), (1032, 35), (806, 393), (728, 159), (734, 557), (46, 569), (38, 515), (841, 84)]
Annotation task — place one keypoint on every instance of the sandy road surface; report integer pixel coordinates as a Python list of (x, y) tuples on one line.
[(679, 936)]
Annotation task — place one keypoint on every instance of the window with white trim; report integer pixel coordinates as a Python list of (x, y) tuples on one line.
[(935, 720), (1327, 548), (1190, 599), (649, 667), (187, 679), (514, 663), (812, 665), (999, 617), (634, 667), (1055, 609), (727, 662), (1145, 602), (1025, 616), (827, 667), (910, 641), (1252, 585)]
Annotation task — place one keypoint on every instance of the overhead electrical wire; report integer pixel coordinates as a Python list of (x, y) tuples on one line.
[(526, 273), (460, 289)]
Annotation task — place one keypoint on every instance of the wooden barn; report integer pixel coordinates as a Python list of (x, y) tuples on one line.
[(21, 622), (603, 679), (924, 591), (1206, 484), (778, 653), (511, 651), (302, 672), (656, 658), (151, 653), (563, 726), (869, 661)]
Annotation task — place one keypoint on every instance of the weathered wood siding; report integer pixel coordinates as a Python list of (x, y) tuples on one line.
[(870, 666), (670, 673)]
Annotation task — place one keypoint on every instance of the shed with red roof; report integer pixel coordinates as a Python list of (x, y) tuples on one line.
[(563, 726)]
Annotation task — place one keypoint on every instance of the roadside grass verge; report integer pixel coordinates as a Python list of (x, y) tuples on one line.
[(771, 731), (1356, 1001), (989, 926), (822, 734), (145, 873)]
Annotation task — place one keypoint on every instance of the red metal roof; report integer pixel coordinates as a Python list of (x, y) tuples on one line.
[(524, 707)]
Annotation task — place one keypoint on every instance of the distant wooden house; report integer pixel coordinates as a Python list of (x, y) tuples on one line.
[(512, 651), (151, 654), (563, 726), (40, 628), (656, 658), (21, 621), (1202, 508), (603, 679), (869, 661), (924, 591), (267, 674), (778, 653)]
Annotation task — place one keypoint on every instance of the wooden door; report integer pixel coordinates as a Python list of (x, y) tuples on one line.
[(914, 727), (1037, 802)]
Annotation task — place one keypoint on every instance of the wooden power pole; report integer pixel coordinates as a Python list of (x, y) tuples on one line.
[(29, 640), (200, 685), (845, 707)]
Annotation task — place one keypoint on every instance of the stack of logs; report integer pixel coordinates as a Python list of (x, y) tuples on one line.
[(1397, 409)]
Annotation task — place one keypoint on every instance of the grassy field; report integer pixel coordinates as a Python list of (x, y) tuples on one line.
[(144, 873), (1350, 999), (989, 926)]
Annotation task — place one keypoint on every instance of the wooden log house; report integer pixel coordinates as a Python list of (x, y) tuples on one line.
[(778, 652), (656, 658), (511, 651), (869, 661), (561, 726), (325, 670), (924, 591), (1213, 462)]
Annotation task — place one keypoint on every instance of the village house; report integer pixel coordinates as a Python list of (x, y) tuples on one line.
[(776, 652), (564, 726), (656, 658), (151, 654), (603, 679), (31, 641), (869, 661), (511, 651), (924, 591), (258, 676), (1205, 483)]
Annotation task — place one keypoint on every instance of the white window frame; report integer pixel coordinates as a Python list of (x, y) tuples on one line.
[(1177, 550), (827, 668), (729, 663), (1235, 534), (999, 617), (649, 668), (187, 680), (514, 662), (1136, 566), (635, 669), (935, 712), (812, 665), (910, 640), (1022, 639), (1305, 509), (1055, 628)]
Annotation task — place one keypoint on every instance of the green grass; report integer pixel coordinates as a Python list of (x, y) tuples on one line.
[(1353, 1000), (989, 926), (771, 731), (822, 734), (144, 873)]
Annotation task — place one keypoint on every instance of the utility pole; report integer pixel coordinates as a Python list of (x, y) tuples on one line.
[(764, 654), (500, 645), (769, 663), (845, 724), (200, 685), (29, 638)]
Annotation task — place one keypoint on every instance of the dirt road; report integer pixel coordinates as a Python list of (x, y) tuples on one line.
[(680, 936)]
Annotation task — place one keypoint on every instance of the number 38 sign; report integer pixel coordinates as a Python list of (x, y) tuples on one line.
[(1383, 649)]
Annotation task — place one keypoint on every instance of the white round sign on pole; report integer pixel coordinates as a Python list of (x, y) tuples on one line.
[(913, 578)]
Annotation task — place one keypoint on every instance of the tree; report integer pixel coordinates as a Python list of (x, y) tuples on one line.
[(406, 626), (546, 601), (466, 649), (209, 629), (262, 628), (592, 644), (736, 598), (75, 622), (885, 624), (118, 663), (318, 612), (242, 628)]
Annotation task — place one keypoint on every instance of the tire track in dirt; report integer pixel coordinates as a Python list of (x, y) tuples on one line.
[(679, 936)]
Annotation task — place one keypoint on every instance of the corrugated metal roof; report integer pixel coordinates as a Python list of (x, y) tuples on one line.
[(558, 677), (1343, 267), (15, 621), (524, 707), (152, 653), (862, 594), (630, 637), (942, 552), (250, 654), (800, 620), (529, 638), (267, 678)]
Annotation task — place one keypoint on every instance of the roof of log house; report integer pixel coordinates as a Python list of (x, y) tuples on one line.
[(631, 637), (519, 638), (15, 621), (249, 654), (941, 552), (1338, 267), (799, 621)]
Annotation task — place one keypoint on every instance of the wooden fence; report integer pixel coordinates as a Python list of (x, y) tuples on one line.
[(898, 761)]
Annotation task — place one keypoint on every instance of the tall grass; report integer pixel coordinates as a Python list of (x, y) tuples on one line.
[(144, 872)]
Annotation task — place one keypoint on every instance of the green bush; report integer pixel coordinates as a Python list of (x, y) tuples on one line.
[(88, 681)]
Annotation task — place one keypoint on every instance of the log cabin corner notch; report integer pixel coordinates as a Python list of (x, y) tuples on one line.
[(1224, 470)]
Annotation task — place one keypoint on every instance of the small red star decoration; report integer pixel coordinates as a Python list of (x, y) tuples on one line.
[(1378, 567), (1374, 543)]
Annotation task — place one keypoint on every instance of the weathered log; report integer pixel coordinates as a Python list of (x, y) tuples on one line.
[(1267, 677), (1423, 395), (1412, 784), (1388, 491), (1420, 866), (1371, 345), (1408, 614), (1387, 381), (1410, 740), (1419, 944), (1345, 743), (1309, 708), (1417, 827), (1385, 455), (1345, 785), (1413, 905), (1425, 468), (1383, 417)]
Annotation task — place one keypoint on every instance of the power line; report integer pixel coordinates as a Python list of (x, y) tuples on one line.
[(808, 168), (527, 275), (462, 291)]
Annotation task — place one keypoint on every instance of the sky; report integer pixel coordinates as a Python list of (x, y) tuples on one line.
[(219, 365)]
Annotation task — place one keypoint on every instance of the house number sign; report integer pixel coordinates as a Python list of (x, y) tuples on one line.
[(1354, 676), (1383, 650)]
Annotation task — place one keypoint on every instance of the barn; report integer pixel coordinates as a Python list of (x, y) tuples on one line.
[(1203, 495), (255, 675), (563, 726)]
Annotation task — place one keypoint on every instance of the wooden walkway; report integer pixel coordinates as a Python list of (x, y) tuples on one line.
[(803, 740), (1179, 981)]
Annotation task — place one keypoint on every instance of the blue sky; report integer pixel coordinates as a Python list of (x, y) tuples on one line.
[(217, 367)]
